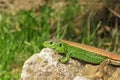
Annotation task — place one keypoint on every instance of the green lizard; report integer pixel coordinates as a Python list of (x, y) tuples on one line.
[(82, 52)]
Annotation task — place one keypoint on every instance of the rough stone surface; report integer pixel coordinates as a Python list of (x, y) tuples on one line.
[(115, 75), (46, 66)]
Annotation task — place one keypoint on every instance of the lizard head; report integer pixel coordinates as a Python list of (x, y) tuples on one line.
[(55, 44)]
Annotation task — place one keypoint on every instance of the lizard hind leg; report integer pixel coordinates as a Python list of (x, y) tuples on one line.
[(100, 74)]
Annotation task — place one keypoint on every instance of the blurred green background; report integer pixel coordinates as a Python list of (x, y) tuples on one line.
[(23, 32)]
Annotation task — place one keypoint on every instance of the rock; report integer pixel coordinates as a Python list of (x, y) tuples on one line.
[(115, 75), (46, 66)]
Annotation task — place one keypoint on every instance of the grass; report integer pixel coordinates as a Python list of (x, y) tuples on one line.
[(22, 35)]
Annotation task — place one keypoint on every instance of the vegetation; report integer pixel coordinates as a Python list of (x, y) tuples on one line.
[(22, 35)]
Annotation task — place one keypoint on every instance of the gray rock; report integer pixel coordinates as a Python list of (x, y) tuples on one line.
[(46, 66)]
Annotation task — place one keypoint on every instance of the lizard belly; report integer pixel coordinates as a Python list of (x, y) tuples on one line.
[(84, 55)]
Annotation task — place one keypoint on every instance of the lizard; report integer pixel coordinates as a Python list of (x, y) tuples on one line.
[(83, 52)]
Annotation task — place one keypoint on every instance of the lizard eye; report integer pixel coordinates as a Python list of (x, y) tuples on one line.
[(51, 42)]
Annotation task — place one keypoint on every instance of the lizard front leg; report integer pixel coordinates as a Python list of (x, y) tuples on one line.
[(66, 58)]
